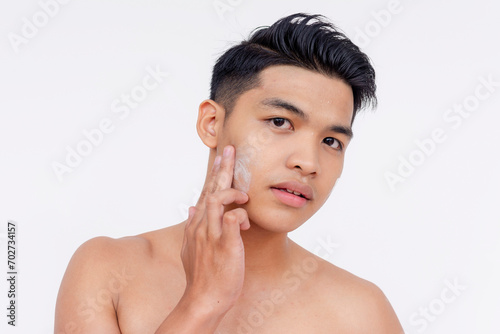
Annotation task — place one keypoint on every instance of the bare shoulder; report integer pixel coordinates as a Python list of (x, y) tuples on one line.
[(352, 304), (101, 271), (98, 256), (105, 253)]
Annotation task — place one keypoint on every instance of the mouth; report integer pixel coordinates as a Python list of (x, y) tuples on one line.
[(296, 193), (293, 193), (296, 188)]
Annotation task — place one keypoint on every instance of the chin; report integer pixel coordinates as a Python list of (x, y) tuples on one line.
[(276, 220)]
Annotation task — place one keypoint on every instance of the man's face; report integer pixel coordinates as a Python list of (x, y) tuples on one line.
[(291, 133)]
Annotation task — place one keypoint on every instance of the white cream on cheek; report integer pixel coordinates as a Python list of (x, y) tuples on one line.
[(247, 158), (242, 175)]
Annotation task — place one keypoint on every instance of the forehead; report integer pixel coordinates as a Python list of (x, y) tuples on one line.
[(310, 91)]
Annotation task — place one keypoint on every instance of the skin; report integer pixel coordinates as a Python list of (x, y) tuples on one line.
[(238, 272), (242, 175)]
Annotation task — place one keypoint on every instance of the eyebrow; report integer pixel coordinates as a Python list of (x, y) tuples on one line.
[(275, 102), (279, 103)]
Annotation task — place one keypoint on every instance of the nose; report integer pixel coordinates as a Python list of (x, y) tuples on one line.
[(304, 156)]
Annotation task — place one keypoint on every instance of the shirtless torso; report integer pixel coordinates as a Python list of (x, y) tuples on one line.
[(130, 285)]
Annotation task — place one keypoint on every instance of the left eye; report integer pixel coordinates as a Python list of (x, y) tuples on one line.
[(333, 143), (280, 122)]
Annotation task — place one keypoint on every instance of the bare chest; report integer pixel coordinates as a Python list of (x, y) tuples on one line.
[(143, 307)]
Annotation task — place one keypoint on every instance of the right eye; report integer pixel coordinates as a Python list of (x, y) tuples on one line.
[(279, 122)]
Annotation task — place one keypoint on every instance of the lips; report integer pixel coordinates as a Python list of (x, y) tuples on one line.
[(295, 188)]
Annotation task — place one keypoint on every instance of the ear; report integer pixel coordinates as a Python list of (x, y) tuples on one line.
[(210, 121)]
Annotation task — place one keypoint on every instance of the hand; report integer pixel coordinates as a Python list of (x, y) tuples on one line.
[(212, 253)]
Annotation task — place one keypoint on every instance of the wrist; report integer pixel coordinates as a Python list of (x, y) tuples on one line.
[(204, 307), (191, 315)]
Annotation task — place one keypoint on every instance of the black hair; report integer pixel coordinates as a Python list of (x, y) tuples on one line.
[(303, 40)]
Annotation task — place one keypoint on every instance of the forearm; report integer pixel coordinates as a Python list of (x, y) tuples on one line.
[(189, 318), (212, 254)]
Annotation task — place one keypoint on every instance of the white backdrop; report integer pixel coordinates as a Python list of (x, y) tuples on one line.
[(416, 210)]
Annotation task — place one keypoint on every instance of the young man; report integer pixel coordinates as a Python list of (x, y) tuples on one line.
[(277, 124)]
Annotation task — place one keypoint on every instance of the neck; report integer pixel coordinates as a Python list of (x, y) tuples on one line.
[(267, 254)]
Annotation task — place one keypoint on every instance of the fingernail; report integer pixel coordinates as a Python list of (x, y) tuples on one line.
[(217, 160), (227, 149)]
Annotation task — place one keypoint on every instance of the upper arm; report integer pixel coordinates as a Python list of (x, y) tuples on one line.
[(379, 316), (360, 307), (89, 291)]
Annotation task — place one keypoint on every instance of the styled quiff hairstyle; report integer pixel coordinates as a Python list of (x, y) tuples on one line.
[(307, 41)]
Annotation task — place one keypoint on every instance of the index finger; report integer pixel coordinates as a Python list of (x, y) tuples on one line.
[(224, 177), (209, 184), (221, 175)]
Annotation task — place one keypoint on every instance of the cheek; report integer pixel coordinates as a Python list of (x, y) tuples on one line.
[(242, 175), (246, 161), (333, 187)]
